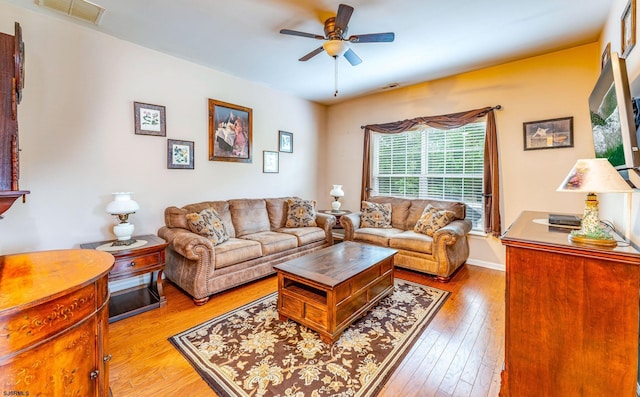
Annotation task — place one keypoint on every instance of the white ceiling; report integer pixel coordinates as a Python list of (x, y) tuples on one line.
[(434, 38)]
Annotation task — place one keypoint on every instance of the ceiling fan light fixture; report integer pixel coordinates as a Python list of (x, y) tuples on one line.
[(335, 48)]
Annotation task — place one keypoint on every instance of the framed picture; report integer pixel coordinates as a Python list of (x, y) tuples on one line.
[(628, 28), (230, 132), (285, 141), (606, 55), (548, 134), (270, 162), (179, 154), (149, 119)]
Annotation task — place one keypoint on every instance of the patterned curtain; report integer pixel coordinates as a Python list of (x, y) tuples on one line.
[(445, 122)]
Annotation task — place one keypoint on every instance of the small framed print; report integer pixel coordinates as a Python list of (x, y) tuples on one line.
[(179, 154), (270, 162), (548, 134), (628, 28), (149, 119), (285, 142)]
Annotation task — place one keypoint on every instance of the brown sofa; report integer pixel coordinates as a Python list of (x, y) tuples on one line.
[(440, 255), (258, 240)]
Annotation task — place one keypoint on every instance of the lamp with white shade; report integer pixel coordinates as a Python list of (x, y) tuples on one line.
[(122, 206), (593, 176), (336, 192)]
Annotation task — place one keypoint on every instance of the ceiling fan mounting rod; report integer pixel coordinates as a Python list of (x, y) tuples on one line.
[(335, 59)]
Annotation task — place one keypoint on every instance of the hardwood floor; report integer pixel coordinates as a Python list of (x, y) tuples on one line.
[(460, 353)]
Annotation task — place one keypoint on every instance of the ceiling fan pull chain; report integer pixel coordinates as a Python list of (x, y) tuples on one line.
[(336, 76)]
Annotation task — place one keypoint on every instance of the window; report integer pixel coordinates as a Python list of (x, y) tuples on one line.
[(431, 163)]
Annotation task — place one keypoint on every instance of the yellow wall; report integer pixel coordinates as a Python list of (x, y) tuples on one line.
[(78, 142), (544, 87)]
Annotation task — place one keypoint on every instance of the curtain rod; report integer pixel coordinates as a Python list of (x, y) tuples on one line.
[(497, 107)]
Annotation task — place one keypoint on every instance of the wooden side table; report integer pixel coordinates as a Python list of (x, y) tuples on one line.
[(132, 261), (338, 215)]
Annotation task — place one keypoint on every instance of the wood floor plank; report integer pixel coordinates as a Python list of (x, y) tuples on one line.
[(460, 353)]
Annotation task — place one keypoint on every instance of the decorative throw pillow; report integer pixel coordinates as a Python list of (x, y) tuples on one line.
[(433, 219), (301, 213), (375, 215), (208, 224)]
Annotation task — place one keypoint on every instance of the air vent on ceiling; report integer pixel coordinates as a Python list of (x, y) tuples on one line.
[(80, 9)]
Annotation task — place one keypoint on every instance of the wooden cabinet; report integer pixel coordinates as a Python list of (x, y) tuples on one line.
[(572, 314), (130, 262), (53, 323)]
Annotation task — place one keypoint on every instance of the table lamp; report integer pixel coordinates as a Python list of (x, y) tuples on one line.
[(122, 206), (593, 176), (336, 192)]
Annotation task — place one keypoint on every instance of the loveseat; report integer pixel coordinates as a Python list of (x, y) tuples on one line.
[(440, 254), (257, 237)]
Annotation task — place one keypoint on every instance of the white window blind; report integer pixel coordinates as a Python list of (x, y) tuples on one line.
[(432, 163)]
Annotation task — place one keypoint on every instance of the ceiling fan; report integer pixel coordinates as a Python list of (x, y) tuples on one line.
[(336, 43)]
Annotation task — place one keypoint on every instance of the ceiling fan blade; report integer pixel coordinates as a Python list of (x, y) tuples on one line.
[(311, 54), (351, 56), (343, 17), (373, 38), (301, 34)]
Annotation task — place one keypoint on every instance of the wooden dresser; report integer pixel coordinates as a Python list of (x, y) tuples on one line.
[(53, 323), (572, 314)]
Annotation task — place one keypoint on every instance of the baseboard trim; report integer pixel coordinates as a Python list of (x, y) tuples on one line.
[(488, 265)]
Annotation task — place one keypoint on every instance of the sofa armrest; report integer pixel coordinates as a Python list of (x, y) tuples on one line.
[(450, 245), (350, 223), (186, 243), (448, 235), (326, 222)]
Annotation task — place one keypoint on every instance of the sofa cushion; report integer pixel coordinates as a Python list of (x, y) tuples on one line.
[(236, 250), (399, 209), (301, 213), (273, 242), (208, 224), (418, 206), (249, 216), (412, 241), (277, 210), (433, 219), (176, 217), (376, 215), (305, 235), (375, 236)]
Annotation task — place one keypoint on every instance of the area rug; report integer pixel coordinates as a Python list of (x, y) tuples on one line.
[(250, 352)]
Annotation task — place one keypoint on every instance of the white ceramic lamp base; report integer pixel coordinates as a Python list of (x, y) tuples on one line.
[(123, 232)]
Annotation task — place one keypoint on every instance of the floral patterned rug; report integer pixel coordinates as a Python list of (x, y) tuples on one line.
[(250, 352)]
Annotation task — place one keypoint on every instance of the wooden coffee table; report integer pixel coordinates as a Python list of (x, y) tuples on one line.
[(329, 289)]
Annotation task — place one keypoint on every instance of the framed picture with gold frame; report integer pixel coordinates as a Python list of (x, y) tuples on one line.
[(628, 28), (230, 132)]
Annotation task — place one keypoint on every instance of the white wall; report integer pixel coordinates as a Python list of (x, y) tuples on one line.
[(544, 87), (613, 206), (78, 144)]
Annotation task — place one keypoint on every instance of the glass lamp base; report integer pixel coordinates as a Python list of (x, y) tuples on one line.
[(593, 241)]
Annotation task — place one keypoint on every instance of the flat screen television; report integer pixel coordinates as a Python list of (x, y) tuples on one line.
[(615, 136)]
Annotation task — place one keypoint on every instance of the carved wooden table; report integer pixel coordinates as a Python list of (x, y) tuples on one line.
[(53, 323), (329, 289)]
